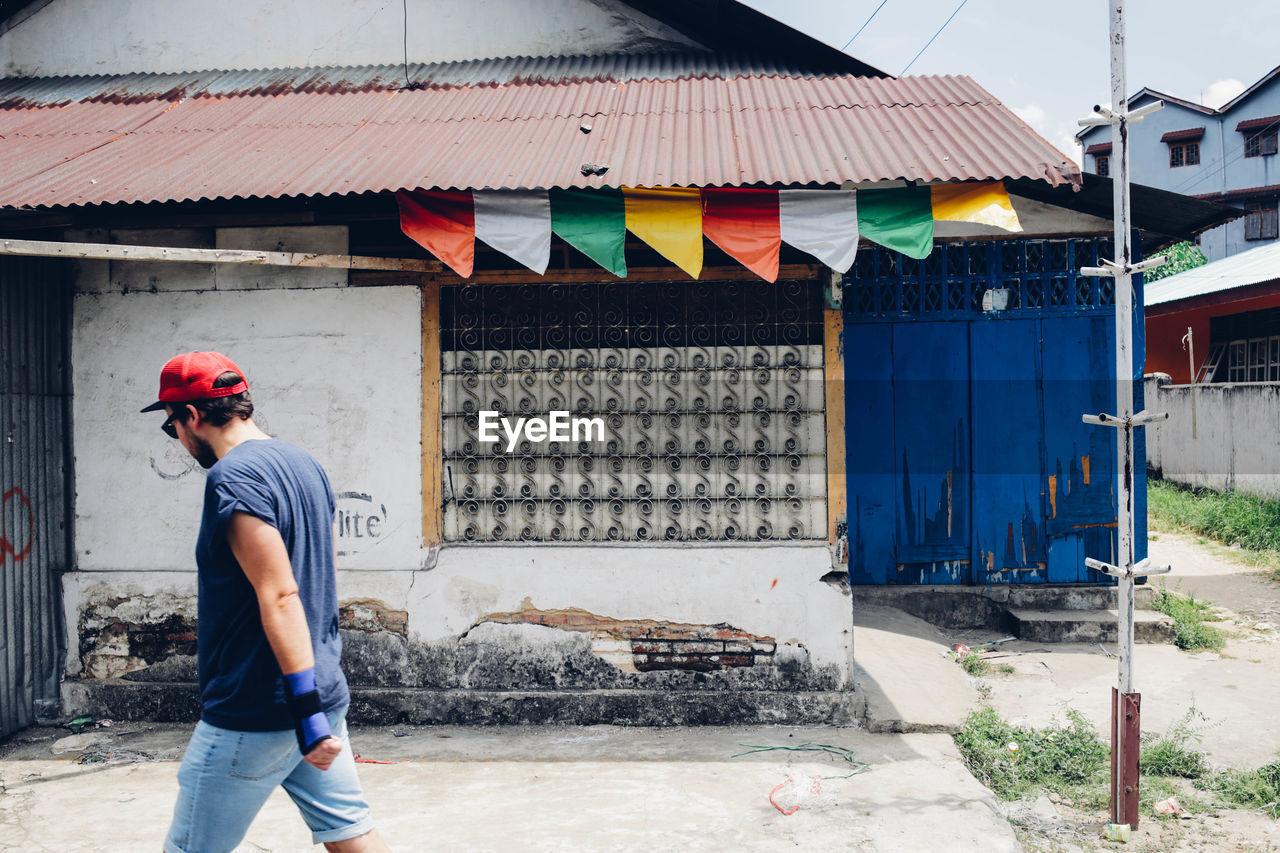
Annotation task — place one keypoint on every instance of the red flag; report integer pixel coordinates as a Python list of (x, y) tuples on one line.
[(444, 223), (744, 223)]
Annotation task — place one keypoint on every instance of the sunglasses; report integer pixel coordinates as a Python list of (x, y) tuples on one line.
[(168, 428)]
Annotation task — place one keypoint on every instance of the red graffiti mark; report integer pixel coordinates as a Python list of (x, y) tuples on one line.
[(7, 547)]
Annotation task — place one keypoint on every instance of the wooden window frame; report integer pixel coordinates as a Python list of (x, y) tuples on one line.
[(1184, 154), (1261, 144), (1262, 220)]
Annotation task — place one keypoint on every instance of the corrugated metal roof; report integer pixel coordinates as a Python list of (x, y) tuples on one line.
[(56, 91), (1252, 267), (324, 135)]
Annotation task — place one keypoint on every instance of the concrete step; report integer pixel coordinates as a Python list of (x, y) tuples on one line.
[(1088, 626)]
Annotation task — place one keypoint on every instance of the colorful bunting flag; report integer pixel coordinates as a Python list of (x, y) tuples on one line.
[(744, 223), (593, 222), (898, 219), (516, 223), (984, 203), (748, 224), (444, 223), (823, 223), (669, 220)]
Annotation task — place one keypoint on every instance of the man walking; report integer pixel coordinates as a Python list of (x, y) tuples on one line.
[(273, 696)]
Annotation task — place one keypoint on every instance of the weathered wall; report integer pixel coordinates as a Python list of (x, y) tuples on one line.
[(1226, 441), (524, 618), (85, 37), (337, 370), (333, 369)]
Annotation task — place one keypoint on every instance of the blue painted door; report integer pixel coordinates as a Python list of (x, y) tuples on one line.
[(932, 447), (1005, 381)]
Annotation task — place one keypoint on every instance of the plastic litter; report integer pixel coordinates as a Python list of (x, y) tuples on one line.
[(793, 793), (1117, 832), (1013, 751), (1170, 806)]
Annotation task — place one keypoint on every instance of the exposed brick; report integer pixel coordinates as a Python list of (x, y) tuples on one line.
[(763, 648), (372, 616), (727, 661), (694, 647), (650, 647), (741, 648)]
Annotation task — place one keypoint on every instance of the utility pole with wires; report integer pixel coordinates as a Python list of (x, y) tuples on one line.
[(1125, 701)]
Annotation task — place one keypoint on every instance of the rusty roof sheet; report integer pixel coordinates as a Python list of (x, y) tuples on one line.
[(119, 145), (56, 91)]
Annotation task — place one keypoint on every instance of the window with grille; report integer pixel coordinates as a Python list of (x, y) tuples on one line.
[(1238, 361), (1260, 144), (1261, 221), (1102, 164), (1184, 154), (711, 395)]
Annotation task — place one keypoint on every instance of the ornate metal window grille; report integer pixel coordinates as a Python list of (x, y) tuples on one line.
[(1041, 275), (711, 393)]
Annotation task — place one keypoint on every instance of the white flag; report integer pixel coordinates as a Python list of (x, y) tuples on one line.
[(823, 223), (516, 223)]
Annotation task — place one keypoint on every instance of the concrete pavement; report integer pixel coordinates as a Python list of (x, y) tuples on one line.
[(544, 788)]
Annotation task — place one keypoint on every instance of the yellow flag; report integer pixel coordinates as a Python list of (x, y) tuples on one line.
[(985, 204), (669, 220)]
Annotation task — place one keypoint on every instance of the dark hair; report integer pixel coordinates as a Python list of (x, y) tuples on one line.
[(218, 410)]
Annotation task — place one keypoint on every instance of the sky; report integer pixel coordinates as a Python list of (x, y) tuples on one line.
[(1048, 61)]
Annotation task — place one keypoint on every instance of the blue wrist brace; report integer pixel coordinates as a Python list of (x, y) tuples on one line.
[(309, 722)]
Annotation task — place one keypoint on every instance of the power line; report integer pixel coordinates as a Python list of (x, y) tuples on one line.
[(864, 25), (935, 35)]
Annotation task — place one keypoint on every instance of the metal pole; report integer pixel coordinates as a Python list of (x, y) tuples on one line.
[(1125, 723), (1124, 351)]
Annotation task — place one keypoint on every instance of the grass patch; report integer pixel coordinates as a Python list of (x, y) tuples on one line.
[(1171, 754), (1189, 616), (1252, 789), (1231, 518), (975, 665), (1071, 760)]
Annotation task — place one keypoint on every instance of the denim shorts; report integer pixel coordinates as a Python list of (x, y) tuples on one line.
[(227, 775)]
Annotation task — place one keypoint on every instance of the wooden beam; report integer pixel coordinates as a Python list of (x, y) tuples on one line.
[(671, 273), (833, 370), (115, 252), (432, 428)]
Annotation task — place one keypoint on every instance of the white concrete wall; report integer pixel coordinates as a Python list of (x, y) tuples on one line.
[(333, 369), (94, 37), (1228, 442)]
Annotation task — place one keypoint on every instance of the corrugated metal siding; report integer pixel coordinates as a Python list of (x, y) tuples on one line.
[(34, 394), (686, 132), (1252, 267)]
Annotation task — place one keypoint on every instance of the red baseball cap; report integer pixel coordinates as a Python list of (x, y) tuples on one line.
[(190, 376)]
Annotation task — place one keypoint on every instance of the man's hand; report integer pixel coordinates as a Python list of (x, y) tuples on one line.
[(323, 756)]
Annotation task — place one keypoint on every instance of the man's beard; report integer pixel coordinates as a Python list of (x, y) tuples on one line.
[(204, 453)]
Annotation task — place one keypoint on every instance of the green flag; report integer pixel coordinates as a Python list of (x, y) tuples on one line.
[(595, 223), (898, 219)]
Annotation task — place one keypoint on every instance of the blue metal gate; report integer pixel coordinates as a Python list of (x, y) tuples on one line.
[(967, 461)]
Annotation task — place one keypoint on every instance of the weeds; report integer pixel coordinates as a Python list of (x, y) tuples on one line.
[(1253, 789), (1232, 518), (975, 665), (1069, 760), (1171, 755), (1189, 616)]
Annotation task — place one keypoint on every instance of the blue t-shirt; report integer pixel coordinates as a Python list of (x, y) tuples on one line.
[(240, 683)]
